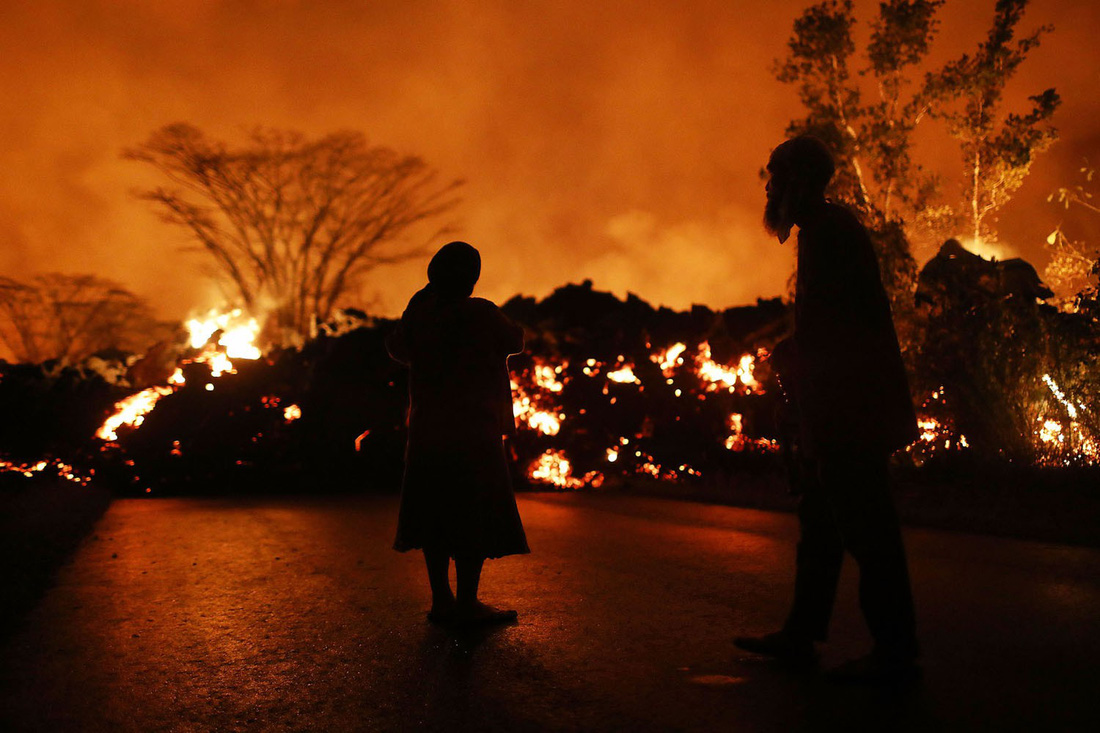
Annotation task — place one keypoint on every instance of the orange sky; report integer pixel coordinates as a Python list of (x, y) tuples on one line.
[(617, 140)]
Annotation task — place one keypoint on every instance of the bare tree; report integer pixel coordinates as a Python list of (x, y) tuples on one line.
[(290, 224), (70, 317)]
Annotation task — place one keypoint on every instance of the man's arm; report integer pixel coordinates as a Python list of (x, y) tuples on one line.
[(397, 345)]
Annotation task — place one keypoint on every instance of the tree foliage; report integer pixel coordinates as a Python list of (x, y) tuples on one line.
[(291, 224), (1074, 267), (997, 148), (71, 317), (867, 107), (870, 133)]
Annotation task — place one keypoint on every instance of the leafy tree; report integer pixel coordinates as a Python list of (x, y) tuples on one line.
[(870, 134), (997, 149), (71, 317), (290, 224)]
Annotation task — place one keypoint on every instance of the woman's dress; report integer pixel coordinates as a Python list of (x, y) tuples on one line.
[(457, 495)]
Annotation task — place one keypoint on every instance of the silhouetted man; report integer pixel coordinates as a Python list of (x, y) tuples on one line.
[(847, 382)]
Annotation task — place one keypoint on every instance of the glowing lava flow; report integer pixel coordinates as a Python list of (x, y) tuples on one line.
[(236, 337), (131, 411)]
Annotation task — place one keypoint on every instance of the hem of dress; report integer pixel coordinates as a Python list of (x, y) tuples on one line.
[(406, 547)]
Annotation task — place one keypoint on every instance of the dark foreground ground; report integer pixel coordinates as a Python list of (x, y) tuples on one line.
[(294, 615)]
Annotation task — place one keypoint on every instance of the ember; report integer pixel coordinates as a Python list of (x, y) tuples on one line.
[(52, 467)]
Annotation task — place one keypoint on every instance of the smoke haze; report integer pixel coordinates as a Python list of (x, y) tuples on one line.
[(617, 141)]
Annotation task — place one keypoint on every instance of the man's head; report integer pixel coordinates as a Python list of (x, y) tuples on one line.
[(799, 170), (455, 269)]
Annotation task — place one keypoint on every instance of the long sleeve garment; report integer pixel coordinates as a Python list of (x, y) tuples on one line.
[(853, 394)]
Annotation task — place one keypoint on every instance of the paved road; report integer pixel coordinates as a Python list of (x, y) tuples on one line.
[(295, 615)]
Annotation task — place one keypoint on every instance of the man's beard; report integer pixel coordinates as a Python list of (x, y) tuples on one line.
[(777, 220)]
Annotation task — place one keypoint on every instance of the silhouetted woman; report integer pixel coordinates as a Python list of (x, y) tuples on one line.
[(456, 499)]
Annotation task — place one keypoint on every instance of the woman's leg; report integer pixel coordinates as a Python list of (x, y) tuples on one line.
[(468, 608), (468, 575), (439, 567)]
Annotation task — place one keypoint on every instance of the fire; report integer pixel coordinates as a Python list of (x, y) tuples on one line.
[(132, 411), (546, 376), (670, 358), (544, 422), (238, 333), (236, 339), (1051, 432), (937, 430), (718, 375), (528, 413), (739, 442), (553, 468), (624, 375), (1065, 444)]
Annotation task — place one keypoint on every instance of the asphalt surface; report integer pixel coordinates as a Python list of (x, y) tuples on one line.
[(295, 615)]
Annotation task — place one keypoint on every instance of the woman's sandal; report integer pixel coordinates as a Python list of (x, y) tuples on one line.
[(490, 618)]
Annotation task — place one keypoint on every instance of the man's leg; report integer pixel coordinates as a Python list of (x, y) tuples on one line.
[(858, 488), (817, 567), (817, 571)]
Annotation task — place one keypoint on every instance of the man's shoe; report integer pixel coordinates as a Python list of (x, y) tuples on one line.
[(780, 645), (876, 669)]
